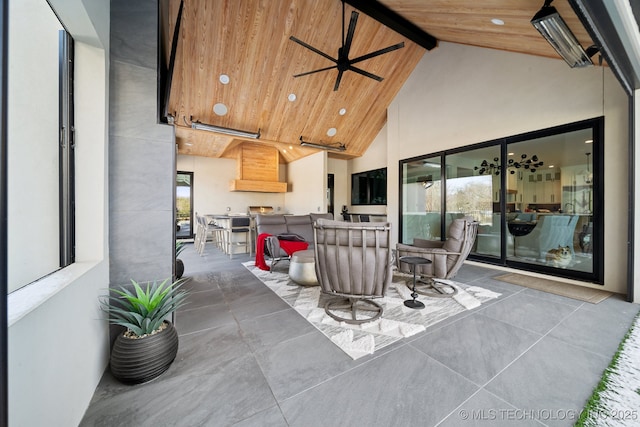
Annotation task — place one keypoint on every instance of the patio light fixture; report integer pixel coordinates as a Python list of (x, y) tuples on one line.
[(338, 146), (555, 30), (226, 131)]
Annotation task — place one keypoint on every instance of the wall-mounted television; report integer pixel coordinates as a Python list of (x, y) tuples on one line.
[(369, 188)]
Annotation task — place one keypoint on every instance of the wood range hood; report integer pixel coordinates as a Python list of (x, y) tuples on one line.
[(258, 169)]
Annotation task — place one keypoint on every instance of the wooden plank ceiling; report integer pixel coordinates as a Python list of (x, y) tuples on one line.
[(249, 42)]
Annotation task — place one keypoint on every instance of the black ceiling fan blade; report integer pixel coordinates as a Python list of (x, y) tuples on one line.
[(337, 85), (365, 73), (314, 71), (350, 33), (377, 53), (342, 39), (311, 48)]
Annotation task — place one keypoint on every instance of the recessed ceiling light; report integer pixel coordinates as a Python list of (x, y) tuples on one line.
[(510, 154), (342, 111), (284, 151), (551, 166), (188, 144), (588, 141), (292, 97), (224, 79), (220, 109), (291, 147), (332, 132), (497, 21)]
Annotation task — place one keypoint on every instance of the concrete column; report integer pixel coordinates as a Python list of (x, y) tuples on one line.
[(141, 151)]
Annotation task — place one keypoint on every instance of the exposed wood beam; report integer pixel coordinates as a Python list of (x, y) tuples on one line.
[(166, 74), (393, 20)]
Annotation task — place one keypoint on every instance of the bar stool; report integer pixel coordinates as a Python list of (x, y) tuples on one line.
[(196, 238), (204, 234), (237, 226), (217, 232)]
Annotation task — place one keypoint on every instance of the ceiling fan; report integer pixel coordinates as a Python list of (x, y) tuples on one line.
[(343, 63)]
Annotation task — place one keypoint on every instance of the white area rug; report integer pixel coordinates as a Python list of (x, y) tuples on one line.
[(397, 321)]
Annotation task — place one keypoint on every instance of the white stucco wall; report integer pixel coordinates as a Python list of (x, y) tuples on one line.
[(459, 95), (58, 338), (307, 179), (374, 158), (211, 193)]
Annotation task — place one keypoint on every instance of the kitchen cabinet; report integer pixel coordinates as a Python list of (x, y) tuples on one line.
[(526, 188), (513, 191), (542, 187)]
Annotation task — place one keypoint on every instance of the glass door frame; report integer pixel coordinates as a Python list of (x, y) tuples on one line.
[(597, 149)]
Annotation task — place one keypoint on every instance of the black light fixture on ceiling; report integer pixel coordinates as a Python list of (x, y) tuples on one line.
[(489, 168), (555, 30), (338, 146), (531, 164)]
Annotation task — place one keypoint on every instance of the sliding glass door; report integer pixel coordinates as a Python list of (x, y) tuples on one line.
[(537, 197), (552, 180), (474, 189)]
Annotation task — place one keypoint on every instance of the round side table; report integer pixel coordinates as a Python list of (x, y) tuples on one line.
[(302, 268), (414, 261)]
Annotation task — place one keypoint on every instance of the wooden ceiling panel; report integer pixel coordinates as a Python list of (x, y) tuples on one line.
[(249, 41), (469, 22), (201, 143)]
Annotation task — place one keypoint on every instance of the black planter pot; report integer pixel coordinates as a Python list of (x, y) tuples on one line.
[(135, 361), (179, 268)]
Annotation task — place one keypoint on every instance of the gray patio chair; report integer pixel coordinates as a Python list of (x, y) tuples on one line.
[(353, 266), (446, 257)]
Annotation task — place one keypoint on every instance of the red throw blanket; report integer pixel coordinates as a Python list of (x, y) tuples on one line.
[(287, 245)]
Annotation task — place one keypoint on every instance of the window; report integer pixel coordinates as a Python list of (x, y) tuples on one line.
[(537, 197), (184, 205), (40, 194)]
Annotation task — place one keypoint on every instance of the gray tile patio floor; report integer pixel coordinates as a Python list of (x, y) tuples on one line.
[(247, 359)]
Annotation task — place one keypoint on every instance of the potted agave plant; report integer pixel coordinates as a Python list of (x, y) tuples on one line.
[(149, 344)]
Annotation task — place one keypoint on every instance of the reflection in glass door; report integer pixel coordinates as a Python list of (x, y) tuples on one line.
[(184, 205), (421, 199), (553, 222), (473, 189)]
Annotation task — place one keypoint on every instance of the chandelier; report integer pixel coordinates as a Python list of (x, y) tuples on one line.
[(531, 164)]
